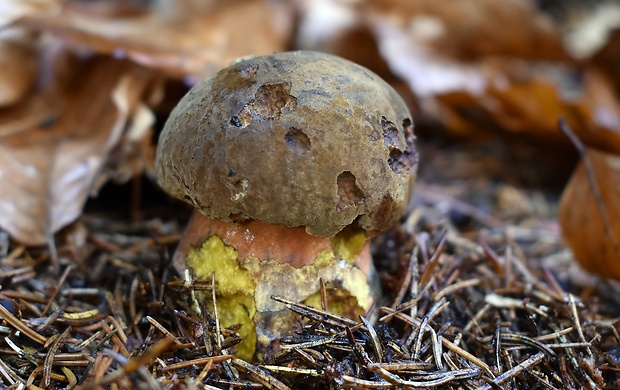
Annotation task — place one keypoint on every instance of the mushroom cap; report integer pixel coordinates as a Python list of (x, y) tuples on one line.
[(296, 138)]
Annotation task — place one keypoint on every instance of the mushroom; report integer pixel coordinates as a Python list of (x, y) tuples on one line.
[(292, 161)]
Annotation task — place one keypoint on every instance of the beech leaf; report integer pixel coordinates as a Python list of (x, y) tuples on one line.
[(590, 215), (19, 64), (183, 41), (475, 85), (12, 10), (46, 173)]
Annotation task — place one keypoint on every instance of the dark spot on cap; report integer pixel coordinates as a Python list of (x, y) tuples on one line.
[(235, 121), (400, 161), (270, 101), (390, 134), (410, 156), (392, 142), (349, 193), (236, 217), (395, 163), (297, 141), (385, 212)]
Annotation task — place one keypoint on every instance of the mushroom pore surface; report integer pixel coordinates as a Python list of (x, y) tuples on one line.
[(296, 138)]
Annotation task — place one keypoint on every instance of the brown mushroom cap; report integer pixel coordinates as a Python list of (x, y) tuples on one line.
[(296, 138)]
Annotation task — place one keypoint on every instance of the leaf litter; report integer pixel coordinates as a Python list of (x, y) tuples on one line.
[(47, 170)]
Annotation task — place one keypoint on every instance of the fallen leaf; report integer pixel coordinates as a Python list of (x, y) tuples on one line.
[(323, 21), (135, 152), (498, 85), (466, 30), (529, 106), (12, 10), (591, 224), (606, 59), (598, 110), (193, 41), (18, 64), (46, 172), (585, 27), (463, 47)]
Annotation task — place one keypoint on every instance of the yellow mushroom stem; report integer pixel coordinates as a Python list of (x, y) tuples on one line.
[(253, 261)]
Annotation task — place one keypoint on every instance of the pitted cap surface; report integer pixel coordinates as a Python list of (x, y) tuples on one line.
[(296, 138)]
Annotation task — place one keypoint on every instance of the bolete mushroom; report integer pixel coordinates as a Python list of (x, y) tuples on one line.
[(292, 161)]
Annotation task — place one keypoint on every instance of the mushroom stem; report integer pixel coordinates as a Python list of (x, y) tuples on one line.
[(254, 261)]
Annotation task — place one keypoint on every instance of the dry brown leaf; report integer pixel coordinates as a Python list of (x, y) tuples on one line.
[(57, 70), (591, 225), (337, 27), (598, 109), (529, 107), (135, 153), (607, 59), (467, 30), (12, 10), (442, 49), (46, 173), (192, 41), (586, 25), (18, 65), (502, 83), (320, 22)]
